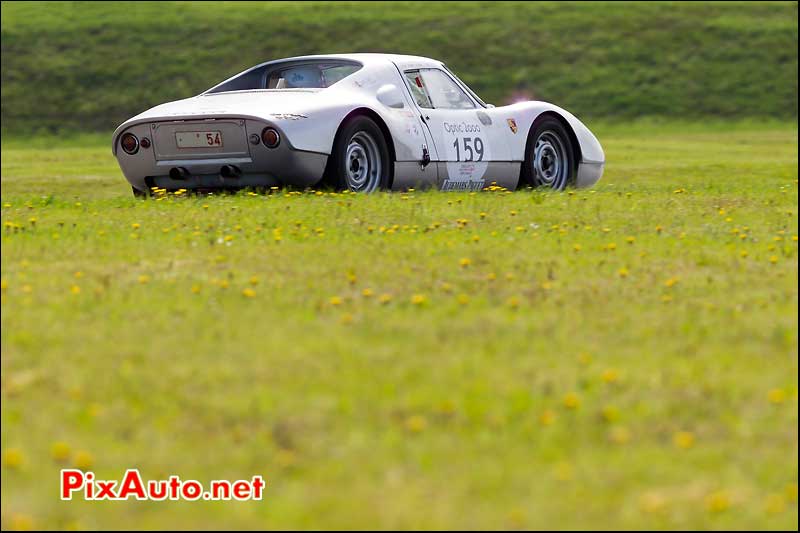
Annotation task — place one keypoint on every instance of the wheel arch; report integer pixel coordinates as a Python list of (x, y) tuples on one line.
[(387, 136), (573, 138)]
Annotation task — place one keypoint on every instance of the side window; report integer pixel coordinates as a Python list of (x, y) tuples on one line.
[(335, 74), (444, 92), (417, 87)]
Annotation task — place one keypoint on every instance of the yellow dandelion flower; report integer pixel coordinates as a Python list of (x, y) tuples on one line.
[(623, 272), (718, 501), (249, 293), (547, 418), (196, 288), (491, 276), (224, 284), (773, 259), (743, 253), (385, 298), (367, 293), (482, 214), (75, 289), (136, 225), (576, 247), (60, 451), (335, 300), (418, 299), (78, 274), (347, 318), (27, 289), (777, 396), (671, 282), (446, 287), (683, 439), (416, 423), (475, 238), (83, 460), (464, 262), (463, 299), (610, 375), (4, 284), (630, 240), (572, 400), (13, 458), (254, 280), (513, 302), (143, 279)]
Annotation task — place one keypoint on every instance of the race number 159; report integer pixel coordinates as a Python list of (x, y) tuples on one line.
[(472, 146)]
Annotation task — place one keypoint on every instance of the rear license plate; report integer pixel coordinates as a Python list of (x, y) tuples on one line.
[(198, 139)]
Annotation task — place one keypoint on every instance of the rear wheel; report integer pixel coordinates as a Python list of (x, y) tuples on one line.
[(138, 194), (361, 161), (549, 156)]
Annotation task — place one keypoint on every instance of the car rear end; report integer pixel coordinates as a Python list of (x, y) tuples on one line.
[(208, 153)]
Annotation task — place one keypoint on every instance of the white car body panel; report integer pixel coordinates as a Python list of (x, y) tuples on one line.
[(308, 120)]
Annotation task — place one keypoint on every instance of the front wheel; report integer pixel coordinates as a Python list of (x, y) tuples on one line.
[(361, 161), (549, 160)]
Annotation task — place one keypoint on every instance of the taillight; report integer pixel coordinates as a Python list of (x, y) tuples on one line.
[(129, 143), (270, 137)]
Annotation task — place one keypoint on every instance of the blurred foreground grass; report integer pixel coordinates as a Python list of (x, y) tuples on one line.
[(624, 356)]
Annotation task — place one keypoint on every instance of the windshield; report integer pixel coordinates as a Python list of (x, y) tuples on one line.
[(291, 75)]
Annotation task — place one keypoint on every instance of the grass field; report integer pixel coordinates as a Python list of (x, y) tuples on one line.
[(81, 66), (619, 357)]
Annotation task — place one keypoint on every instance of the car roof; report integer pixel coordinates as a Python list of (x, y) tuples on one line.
[(366, 59)]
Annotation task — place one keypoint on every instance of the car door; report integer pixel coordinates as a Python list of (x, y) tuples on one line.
[(467, 142)]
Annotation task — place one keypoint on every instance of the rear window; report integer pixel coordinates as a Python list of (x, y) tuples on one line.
[(293, 75)]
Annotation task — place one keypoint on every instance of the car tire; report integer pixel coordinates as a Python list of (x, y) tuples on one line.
[(549, 156), (360, 160), (138, 194)]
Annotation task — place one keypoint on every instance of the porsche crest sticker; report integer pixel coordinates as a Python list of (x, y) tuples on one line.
[(512, 124)]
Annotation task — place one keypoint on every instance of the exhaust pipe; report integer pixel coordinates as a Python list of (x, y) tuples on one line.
[(178, 173), (230, 171)]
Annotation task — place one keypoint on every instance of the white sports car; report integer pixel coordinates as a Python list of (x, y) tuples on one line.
[(363, 122)]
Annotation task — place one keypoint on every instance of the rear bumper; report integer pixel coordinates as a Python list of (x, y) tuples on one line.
[(589, 173), (292, 167)]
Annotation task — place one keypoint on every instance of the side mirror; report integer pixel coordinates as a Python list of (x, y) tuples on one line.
[(390, 96)]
